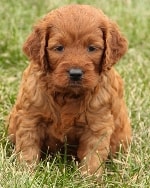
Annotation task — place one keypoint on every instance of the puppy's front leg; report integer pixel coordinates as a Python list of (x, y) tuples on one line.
[(94, 149), (28, 144)]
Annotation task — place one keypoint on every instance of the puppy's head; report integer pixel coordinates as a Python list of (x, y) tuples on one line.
[(74, 45)]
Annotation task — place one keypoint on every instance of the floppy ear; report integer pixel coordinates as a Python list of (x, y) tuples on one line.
[(115, 45), (35, 47)]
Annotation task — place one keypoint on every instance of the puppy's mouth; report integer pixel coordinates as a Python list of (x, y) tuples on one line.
[(76, 88), (75, 84)]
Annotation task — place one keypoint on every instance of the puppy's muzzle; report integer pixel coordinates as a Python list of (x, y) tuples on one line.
[(75, 74)]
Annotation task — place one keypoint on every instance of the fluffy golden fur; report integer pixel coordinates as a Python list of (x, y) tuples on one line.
[(70, 93)]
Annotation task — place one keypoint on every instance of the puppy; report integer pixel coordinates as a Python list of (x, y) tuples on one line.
[(70, 93)]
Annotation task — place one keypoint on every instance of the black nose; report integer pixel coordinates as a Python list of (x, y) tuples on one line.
[(75, 74)]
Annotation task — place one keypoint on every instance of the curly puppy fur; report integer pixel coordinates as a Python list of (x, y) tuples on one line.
[(70, 93)]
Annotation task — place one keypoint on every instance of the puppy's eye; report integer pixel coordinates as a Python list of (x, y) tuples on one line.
[(91, 48), (59, 48)]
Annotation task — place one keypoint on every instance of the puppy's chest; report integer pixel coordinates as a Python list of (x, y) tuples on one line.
[(72, 121), (69, 128), (72, 115)]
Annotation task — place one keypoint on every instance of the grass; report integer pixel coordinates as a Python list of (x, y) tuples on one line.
[(17, 18)]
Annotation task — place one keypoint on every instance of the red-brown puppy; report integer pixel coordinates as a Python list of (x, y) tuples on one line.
[(70, 92)]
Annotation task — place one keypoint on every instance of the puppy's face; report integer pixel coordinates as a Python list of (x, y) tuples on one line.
[(75, 55), (75, 44)]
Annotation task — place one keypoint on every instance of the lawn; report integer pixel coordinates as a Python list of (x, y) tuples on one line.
[(132, 170)]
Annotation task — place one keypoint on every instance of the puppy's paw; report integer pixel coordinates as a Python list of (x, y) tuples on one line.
[(91, 165)]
